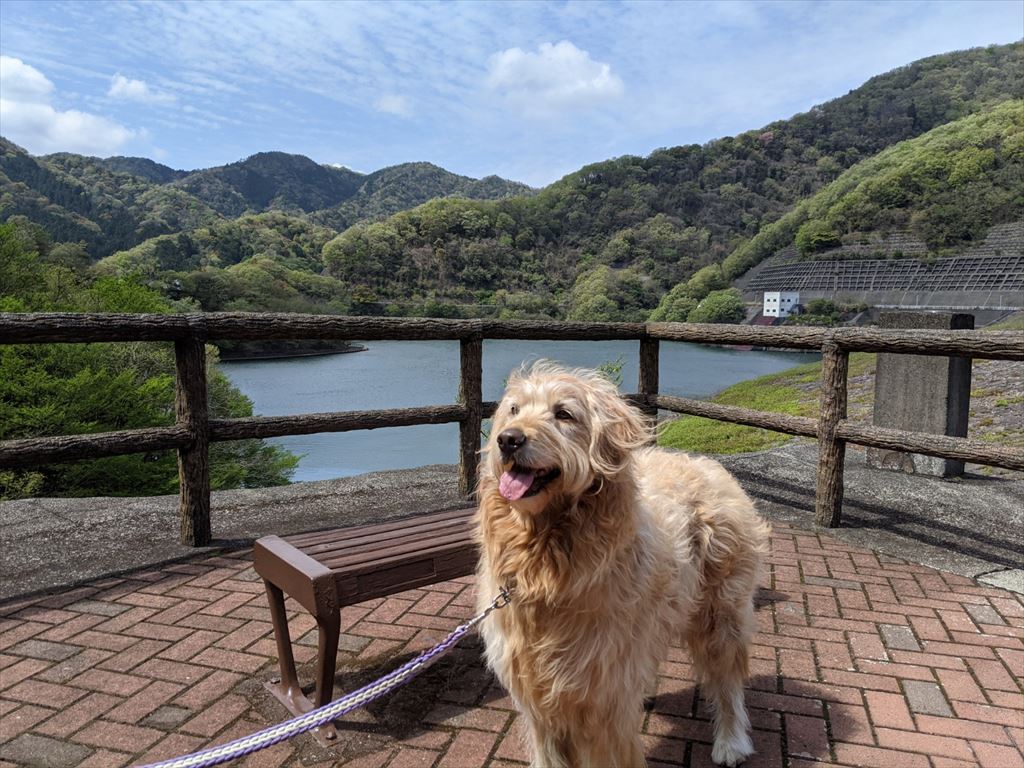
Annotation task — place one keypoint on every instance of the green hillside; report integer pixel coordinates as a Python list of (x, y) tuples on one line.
[(335, 197), (78, 199), (115, 203), (648, 224), (267, 261), (405, 186), (948, 187), (271, 180), (142, 167), (608, 242)]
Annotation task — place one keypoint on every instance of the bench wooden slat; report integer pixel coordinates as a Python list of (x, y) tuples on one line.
[(372, 541), (340, 555), (406, 547), (300, 540)]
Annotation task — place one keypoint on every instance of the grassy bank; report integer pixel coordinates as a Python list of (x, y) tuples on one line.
[(1014, 322), (793, 391), (996, 411)]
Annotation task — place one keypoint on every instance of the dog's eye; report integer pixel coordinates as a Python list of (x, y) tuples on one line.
[(513, 409), (563, 415)]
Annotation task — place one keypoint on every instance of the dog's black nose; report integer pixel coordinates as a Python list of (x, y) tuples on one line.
[(510, 441)]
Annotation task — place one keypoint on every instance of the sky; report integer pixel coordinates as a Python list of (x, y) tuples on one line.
[(526, 90)]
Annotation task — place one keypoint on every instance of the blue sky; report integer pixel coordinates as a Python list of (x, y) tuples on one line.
[(526, 90)]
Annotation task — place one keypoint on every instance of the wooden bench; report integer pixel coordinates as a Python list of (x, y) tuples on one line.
[(327, 570)]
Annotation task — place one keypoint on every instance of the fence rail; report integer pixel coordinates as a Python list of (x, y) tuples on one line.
[(194, 430)]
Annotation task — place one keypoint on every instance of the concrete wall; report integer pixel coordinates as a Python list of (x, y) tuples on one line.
[(930, 300), (986, 275), (922, 393)]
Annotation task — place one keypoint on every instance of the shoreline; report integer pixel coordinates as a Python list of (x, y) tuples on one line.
[(287, 355)]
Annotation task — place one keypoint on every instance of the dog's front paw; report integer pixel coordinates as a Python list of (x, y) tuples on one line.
[(732, 751)]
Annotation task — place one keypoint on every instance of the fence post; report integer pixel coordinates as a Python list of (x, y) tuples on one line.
[(471, 396), (192, 411), (831, 450), (647, 385)]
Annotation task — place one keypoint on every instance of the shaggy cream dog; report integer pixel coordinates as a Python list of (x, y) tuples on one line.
[(612, 550)]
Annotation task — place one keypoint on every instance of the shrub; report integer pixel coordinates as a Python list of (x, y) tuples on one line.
[(720, 307)]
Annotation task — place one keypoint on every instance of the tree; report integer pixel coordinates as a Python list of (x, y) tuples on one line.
[(815, 236), (56, 389), (705, 280), (607, 295), (590, 299), (720, 307), (675, 306)]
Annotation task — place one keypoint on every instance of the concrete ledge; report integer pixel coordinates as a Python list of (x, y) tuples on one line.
[(45, 543), (972, 526)]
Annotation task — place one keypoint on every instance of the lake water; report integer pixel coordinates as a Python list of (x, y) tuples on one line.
[(402, 374)]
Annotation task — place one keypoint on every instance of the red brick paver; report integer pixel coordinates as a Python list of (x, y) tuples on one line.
[(861, 660)]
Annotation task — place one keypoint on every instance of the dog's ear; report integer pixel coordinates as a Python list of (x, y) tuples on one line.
[(618, 429)]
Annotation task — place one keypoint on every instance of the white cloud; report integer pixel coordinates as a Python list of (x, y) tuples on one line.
[(307, 75), (558, 76), (122, 87), (20, 82), (393, 105), (28, 118), (42, 129)]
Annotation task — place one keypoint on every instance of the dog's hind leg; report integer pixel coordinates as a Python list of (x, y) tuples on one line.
[(719, 643), (548, 748), (616, 745)]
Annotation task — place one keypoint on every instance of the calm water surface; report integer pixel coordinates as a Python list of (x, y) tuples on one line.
[(401, 374)]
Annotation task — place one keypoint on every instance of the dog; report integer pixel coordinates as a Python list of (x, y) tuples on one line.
[(610, 549)]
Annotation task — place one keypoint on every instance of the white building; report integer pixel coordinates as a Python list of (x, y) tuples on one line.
[(780, 303)]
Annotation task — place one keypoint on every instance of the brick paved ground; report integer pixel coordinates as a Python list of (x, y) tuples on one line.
[(862, 660)]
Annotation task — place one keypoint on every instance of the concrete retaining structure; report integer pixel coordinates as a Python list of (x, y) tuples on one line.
[(896, 271), (922, 394)]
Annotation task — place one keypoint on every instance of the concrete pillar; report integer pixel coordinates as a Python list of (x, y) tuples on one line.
[(922, 393)]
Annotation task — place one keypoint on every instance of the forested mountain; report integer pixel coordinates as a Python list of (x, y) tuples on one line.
[(271, 180), (78, 199), (336, 197), (606, 242), (142, 167), (267, 261), (405, 186), (648, 223), (733, 186), (946, 188), (115, 203)]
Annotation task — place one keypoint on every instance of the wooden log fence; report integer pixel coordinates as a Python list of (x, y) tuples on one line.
[(192, 412), (835, 363), (471, 395), (194, 430)]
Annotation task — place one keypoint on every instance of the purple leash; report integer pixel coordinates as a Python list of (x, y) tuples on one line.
[(335, 709)]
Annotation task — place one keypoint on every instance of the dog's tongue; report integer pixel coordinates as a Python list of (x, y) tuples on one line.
[(515, 483)]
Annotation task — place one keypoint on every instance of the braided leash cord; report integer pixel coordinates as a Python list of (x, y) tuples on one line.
[(317, 717)]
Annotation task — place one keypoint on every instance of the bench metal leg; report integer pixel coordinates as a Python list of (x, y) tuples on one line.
[(286, 661), (330, 631), (287, 690)]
